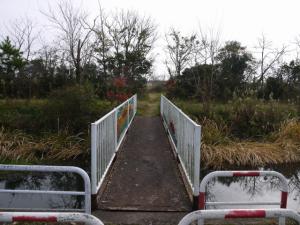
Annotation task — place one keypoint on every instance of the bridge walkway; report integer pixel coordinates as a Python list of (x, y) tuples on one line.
[(145, 175)]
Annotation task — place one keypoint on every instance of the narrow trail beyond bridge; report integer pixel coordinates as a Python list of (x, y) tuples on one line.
[(145, 175)]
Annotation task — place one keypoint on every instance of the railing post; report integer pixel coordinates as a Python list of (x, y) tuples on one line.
[(116, 129), (94, 158), (128, 116), (161, 105), (197, 159), (135, 104)]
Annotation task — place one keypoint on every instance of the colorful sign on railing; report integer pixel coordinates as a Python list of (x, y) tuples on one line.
[(122, 119), (107, 135), (131, 108)]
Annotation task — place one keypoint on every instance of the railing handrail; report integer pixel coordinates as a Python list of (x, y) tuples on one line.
[(64, 169), (112, 111), (185, 138), (51, 217), (184, 114), (252, 173), (105, 140), (238, 214), (104, 117)]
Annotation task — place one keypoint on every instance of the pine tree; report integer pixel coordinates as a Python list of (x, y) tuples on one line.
[(11, 62), (10, 58)]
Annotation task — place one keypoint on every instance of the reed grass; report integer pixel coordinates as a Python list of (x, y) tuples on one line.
[(18, 146), (282, 147)]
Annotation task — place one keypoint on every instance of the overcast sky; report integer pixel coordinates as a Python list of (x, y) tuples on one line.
[(242, 20)]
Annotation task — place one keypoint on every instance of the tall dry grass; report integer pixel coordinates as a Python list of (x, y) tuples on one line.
[(18, 146), (282, 147)]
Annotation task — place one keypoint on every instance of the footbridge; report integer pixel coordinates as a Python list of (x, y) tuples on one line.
[(145, 163)]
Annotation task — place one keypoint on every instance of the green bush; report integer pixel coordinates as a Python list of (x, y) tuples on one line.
[(26, 115), (252, 118), (71, 109), (242, 118), (74, 108)]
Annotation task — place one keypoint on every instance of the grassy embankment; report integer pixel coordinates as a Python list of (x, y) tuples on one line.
[(246, 132), (55, 130), (40, 131)]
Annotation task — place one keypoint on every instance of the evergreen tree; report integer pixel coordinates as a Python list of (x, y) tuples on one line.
[(10, 58), (11, 62)]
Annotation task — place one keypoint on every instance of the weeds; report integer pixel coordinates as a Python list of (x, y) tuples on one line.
[(213, 133), (149, 104), (246, 132), (252, 154), (282, 147), (18, 146), (243, 119), (53, 129)]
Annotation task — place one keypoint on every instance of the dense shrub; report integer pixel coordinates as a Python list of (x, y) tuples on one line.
[(254, 118), (242, 118), (73, 109), (22, 114)]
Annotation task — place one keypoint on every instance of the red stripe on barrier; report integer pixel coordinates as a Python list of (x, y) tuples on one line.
[(201, 204), (245, 174), (245, 214), (284, 196), (34, 218)]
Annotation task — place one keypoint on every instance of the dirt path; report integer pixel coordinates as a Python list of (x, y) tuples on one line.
[(149, 106), (145, 176)]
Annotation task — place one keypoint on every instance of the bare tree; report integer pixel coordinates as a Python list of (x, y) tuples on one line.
[(297, 43), (102, 43), (136, 33), (180, 50), (73, 34), (131, 34), (49, 56), (269, 57), (23, 33), (210, 44)]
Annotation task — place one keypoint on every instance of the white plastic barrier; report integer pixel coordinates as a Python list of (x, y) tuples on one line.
[(33, 217), (106, 138), (238, 214), (185, 136)]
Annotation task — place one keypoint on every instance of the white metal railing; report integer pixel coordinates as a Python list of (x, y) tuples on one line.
[(65, 169), (185, 136), (238, 214), (49, 217), (106, 137)]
